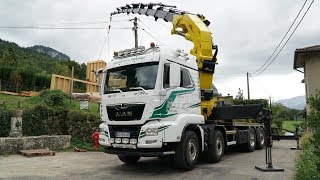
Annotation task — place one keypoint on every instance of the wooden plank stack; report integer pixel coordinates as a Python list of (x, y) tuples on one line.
[(37, 152)]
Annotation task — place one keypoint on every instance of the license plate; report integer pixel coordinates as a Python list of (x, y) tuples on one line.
[(122, 134)]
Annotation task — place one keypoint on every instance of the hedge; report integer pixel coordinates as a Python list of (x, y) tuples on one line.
[(52, 116), (5, 122), (42, 120), (264, 102)]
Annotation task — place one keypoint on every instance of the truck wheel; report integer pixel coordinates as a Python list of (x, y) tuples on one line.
[(216, 149), (250, 146), (260, 138), (129, 159), (187, 151)]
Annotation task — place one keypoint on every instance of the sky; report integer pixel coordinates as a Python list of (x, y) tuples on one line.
[(246, 32)]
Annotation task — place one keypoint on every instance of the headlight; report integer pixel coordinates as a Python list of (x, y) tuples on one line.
[(111, 140), (118, 140), (133, 141), (152, 132), (125, 140)]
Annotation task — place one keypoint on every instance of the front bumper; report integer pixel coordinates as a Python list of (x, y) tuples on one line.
[(139, 133), (138, 152)]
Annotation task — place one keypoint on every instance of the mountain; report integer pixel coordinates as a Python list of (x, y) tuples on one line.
[(298, 102), (49, 51), (31, 68)]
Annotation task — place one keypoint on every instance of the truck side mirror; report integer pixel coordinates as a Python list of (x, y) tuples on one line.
[(99, 72), (174, 75)]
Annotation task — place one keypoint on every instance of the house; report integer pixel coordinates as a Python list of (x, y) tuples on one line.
[(307, 61)]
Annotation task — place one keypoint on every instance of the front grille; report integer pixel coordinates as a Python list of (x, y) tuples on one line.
[(125, 112), (133, 129)]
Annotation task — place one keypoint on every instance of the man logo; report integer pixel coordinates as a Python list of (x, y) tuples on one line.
[(124, 114)]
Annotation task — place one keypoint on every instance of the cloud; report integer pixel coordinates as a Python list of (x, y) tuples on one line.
[(246, 31)]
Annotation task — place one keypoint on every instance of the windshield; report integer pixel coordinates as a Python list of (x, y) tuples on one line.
[(131, 78)]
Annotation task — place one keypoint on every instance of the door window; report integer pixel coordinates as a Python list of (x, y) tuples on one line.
[(185, 80), (166, 76)]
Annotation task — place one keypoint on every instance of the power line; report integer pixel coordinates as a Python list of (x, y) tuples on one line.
[(161, 23), (152, 36), (282, 38), (68, 23), (285, 41), (104, 43), (144, 24), (56, 28)]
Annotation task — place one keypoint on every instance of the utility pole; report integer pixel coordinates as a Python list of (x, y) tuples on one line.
[(270, 103), (71, 84), (135, 30), (248, 87)]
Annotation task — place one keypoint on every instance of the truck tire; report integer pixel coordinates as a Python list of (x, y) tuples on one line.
[(260, 138), (187, 151), (129, 159), (250, 146), (216, 149)]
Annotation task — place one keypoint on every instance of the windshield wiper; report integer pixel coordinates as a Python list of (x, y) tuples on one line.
[(138, 88)]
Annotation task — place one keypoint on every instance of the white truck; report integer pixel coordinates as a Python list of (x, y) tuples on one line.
[(151, 107), (159, 102)]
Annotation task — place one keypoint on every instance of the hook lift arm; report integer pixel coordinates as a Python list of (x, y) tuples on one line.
[(193, 27)]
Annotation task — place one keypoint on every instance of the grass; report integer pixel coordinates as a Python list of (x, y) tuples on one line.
[(291, 125), (11, 102), (80, 145)]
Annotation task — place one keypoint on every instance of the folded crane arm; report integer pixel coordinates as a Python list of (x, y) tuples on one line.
[(193, 27)]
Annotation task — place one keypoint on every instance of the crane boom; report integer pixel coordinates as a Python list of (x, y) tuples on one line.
[(193, 27)]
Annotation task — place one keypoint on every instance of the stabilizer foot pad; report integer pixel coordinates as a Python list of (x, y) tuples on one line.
[(266, 168)]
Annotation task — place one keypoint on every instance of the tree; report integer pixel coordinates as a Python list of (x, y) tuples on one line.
[(240, 95), (8, 57), (61, 69), (16, 79)]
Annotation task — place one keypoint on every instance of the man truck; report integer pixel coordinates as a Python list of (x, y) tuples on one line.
[(159, 102)]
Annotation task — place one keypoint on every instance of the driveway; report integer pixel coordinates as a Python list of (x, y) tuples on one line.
[(97, 165)]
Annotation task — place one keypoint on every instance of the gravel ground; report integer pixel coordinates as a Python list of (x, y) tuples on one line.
[(98, 165)]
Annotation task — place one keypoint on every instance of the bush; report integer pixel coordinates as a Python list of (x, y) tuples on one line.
[(54, 97), (277, 125), (82, 125), (5, 122), (42, 81), (264, 102), (305, 139), (57, 122), (52, 116), (42, 120), (308, 164), (35, 121)]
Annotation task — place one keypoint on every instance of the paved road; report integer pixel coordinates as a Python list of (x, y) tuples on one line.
[(96, 165)]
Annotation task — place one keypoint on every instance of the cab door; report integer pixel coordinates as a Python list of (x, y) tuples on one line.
[(173, 98)]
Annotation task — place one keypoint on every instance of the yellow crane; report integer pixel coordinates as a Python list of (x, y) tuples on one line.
[(193, 27)]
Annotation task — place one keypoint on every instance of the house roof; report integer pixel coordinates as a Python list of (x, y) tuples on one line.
[(309, 49), (301, 54)]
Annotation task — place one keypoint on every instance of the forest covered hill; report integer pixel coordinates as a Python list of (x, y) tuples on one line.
[(49, 51), (31, 68)]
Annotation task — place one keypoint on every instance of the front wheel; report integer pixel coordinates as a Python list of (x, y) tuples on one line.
[(129, 159), (187, 151)]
